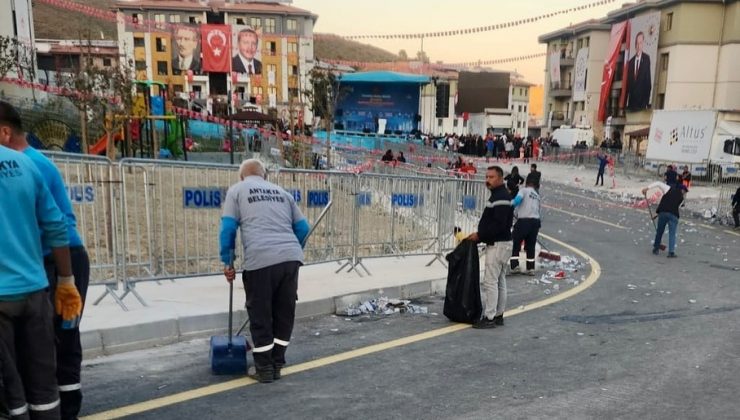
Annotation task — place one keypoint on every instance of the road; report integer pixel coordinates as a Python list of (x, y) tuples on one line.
[(652, 337)]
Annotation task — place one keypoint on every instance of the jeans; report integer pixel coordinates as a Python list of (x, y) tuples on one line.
[(672, 221)]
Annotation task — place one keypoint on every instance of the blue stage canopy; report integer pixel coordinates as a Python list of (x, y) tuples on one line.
[(383, 77)]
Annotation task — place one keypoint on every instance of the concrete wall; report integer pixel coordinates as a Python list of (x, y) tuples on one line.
[(691, 75), (728, 77)]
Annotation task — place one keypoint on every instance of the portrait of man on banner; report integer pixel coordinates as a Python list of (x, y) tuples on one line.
[(186, 49), (246, 50), (640, 73)]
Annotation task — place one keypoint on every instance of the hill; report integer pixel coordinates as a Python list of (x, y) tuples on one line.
[(334, 47), (56, 23)]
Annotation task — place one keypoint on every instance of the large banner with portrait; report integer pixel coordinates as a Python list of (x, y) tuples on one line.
[(640, 60), (579, 79), (186, 49), (246, 55)]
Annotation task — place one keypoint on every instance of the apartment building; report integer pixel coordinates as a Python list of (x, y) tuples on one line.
[(691, 59), (154, 33), (575, 59)]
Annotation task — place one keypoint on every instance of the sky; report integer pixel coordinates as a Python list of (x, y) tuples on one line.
[(361, 17)]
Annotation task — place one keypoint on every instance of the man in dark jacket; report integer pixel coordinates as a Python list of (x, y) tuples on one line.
[(534, 177), (667, 214), (494, 229)]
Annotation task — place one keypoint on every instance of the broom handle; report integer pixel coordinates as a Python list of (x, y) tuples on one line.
[(650, 210), (231, 299)]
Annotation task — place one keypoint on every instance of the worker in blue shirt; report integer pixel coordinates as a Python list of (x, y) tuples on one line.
[(273, 230), (30, 220), (69, 348)]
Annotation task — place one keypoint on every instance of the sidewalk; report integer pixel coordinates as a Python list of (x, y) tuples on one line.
[(197, 307)]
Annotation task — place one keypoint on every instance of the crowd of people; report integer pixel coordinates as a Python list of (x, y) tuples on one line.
[(499, 146)]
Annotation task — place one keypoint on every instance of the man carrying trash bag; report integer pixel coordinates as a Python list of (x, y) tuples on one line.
[(494, 229), (272, 231)]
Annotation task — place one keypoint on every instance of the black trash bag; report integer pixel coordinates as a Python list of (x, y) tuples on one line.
[(462, 297)]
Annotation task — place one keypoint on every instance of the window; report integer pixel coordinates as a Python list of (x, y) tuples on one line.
[(520, 108), (518, 124), (106, 62), (238, 21), (174, 18), (269, 25), (257, 90), (664, 62), (454, 122), (161, 45), (161, 68), (194, 19), (140, 65), (661, 101), (294, 70), (525, 108), (291, 25), (292, 47), (139, 41), (271, 47), (255, 22), (668, 21), (586, 41), (272, 68), (293, 93), (272, 90), (439, 122), (159, 18), (136, 18)]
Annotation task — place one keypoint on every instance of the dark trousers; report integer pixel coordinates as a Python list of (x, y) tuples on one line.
[(736, 215), (69, 349), (271, 295), (600, 176), (524, 230), (26, 331)]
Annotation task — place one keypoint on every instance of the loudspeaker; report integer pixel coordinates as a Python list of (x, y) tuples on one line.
[(443, 100)]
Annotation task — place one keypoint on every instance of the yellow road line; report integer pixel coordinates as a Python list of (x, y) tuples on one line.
[(348, 355), (584, 217)]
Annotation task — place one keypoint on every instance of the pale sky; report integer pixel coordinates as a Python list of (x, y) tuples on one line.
[(360, 17)]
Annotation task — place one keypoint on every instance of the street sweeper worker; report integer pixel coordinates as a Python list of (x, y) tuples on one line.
[(272, 231), (494, 229), (30, 221), (68, 346), (527, 226), (667, 214)]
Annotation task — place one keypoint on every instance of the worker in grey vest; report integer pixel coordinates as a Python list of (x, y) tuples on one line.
[(272, 231), (527, 226)]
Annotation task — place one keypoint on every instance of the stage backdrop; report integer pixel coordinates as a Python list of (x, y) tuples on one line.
[(366, 103)]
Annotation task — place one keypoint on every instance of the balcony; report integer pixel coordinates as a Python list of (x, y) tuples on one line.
[(562, 92), (567, 61)]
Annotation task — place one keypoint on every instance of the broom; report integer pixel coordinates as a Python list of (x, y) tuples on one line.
[(652, 218), (547, 254)]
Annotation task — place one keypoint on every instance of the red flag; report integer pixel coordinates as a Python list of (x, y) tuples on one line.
[(216, 47), (610, 63)]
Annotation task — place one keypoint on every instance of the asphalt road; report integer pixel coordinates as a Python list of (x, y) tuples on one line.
[(652, 338)]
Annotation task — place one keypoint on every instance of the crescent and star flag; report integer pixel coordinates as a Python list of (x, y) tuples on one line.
[(216, 47)]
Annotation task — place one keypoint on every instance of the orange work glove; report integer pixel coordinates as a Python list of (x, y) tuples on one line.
[(67, 299)]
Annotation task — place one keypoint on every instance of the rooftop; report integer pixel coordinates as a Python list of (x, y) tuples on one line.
[(215, 6), (575, 29)]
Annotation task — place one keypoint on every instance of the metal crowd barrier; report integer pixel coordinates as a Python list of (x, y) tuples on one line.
[(156, 220)]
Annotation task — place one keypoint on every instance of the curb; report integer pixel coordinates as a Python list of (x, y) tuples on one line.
[(153, 334)]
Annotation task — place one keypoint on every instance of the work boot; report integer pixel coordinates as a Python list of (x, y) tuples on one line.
[(484, 323), (672, 255), (499, 320), (516, 270), (276, 374), (265, 376), (530, 272)]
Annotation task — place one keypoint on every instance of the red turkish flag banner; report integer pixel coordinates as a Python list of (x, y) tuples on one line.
[(216, 47), (610, 65)]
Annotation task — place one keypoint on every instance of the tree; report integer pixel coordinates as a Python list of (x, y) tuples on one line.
[(18, 58), (403, 55), (422, 56), (94, 90), (323, 96)]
